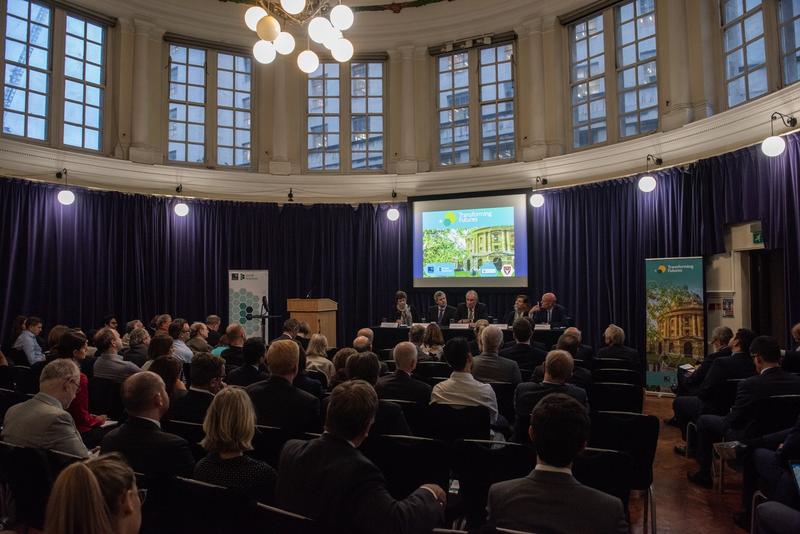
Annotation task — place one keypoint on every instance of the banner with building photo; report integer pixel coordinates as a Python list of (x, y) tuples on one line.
[(246, 291), (675, 308)]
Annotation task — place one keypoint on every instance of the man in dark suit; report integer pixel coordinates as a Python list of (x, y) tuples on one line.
[(522, 352), (254, 351), (330, 481), (614, 338), (302, 380), (740, 422), (549, 499), (471, 310), (584, 352), (489, 366), (441, 313), (140, 439), (720, 338), (213, 323), (138, 342), (389, 418), (401, 384), (557, 370), (276, 400), (522, 306), (208, 377), (581, 377), (548, 311)]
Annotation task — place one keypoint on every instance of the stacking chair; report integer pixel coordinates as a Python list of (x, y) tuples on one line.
[(449, 422), (621, 376), (25, 380), (319, 376), (432, 369), (504, 391), (391, 364), (187, 373), (8, 375), (268, 443), (614, 363), (774, 414), (414, 413), (408, 462), (27, 472), (191, 432), (104, 397), (271, 520), (9, 398), (606, 470), (616, 397)]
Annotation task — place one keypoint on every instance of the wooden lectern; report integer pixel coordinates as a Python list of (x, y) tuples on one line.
[(320, 314)]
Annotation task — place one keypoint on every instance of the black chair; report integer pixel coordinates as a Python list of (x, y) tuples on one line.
[(408, 462), (614, 363), (449, 422), (414, 413), (504, 392), (28, 474), (774, 414), (605, 470), (25, 380), (391, 365), (582, 363), (9, 398), (271, 520), (432, 369), (187, 373), (728, 396), (620, 376), (8, 374), (104, 397), (637, 435), (480, 463), (268, 443), (331, 352), (17, 357), (386, 354), (616, 397), (319, 376), (191, 432), (526, 374)]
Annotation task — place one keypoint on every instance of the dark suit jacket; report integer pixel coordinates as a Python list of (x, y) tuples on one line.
[(528, 394), (279, 403), (557, 318), (580, 377), (449, 313), (389, 419), (480, 311), (137, 355), (149, 450), (621, 352), (712, 391), (245, 375), (694, 380), (773, 381), (554, 503), (213, 338), (791, 361), (585, 353), (509, 319), (402, 386), (330, 481), (192, 407), (233, 356), (525, 354)]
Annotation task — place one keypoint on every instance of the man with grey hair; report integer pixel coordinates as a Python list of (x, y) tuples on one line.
[(489, 366), (139, 342), (213, 323), (614, 338), (401, 384), (109, 364), (547, 311), (415, 336), (43, 422), (130, 326), (198, 340), (441, 313), (471, 310), (585, 352)]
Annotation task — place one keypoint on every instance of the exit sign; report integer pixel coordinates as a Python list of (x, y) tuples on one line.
[(758, 238)]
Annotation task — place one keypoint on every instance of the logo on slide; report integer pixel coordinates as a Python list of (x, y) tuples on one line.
[(507, 269), (449, 218), (661, 268)]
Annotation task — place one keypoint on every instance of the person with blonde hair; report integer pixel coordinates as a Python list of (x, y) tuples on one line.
[(230, 425), (317, 356), (98, 496), (476, 345)]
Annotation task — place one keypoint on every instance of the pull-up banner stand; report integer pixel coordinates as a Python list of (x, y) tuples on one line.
[(248, 302), (675, 308)]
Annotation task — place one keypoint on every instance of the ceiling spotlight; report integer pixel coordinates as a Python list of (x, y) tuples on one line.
[(537, 200), (647, 183), (774, 145), (181, 209), (253, 15), (66, 197)]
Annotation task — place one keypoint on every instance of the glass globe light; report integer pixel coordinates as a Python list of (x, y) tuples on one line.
[(307, 61), (341, 17), (773, 146), (342, 50), (264, 52), (647, 183), (268, 28), (330, 39), (537, 200), (393, 214), (181, 209), (318, 29), (66, 197), (284, 44), (293, 7), (253, 15)]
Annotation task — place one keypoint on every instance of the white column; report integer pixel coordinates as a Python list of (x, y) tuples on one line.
[(677, 100), (530, 91), (408, 152), (145, 147), (280, 149)]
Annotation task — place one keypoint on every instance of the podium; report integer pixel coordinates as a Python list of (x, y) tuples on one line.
[(320, 314)]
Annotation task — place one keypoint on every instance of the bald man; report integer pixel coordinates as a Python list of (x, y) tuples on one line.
[(548, 311), (401, 384)]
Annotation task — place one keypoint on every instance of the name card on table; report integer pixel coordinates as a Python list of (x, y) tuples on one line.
[(541, 326), (421, 324), (459, 326), (389, 325)]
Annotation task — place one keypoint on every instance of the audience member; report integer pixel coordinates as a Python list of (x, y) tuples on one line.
[(476, 345), (110, 321), (199, 335), (526, 355), (213, 322), (340, 364), (109, 364), (234, 339), (54, 336), (160, 345), (416, 334), (471, 310), (433, 342), (558, 368), (720, 339), (233, 330), (367, 333), (17, 326), (441, 313), (585, 352), (303, 380), (461, 388), (140, 439), (27, 342), (317, 356), (230, 427), (522, 306), (98, 496), (547, 311), (389, 418), (43, 422), (402, 313), (581, 377), (777, 518), (330, 481), (549, 499), (614, 338), (277, 401), (362, 344), (162, 323), (208, 378), (179, 331), (170, 369), (138, 343), (303, 334), (130, 326), (401, 384), (253, 352), (489, 366)]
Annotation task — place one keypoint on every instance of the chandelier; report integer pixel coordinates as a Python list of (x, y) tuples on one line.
[(325, 25)]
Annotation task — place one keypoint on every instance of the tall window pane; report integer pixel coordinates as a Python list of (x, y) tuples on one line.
[(453, 107), (187, 98), (789, 20), (497, 102), (744, 50), (323, 118), (84, 83), (27, 69), (636, 67), (366, 109), (587, 82), (233, 110)]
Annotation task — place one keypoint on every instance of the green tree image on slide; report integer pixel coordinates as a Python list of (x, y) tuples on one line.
[(445, 246)]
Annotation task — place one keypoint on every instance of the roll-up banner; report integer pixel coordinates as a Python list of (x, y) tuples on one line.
[(246, 292)]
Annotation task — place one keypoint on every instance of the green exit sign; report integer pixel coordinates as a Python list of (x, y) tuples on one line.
[(758, 238)]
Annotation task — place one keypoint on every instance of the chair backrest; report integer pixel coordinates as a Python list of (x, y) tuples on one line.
[(30, 479), (415, 414), (319, 376), (386, 354), (449, 422), (606, 470), (271, 520), (191, 432), (391, 364), (105, 398), (8, 374), (17, 357), (26, 380), (430, 369), (614, 363), (621, 376), (728, 397), (9, 398), (268, 443), (582, 363), (504, 392), (633, 433), (774, 414), (408, 462), (187, 373), (614, 396), (480, 463), (433, 380)]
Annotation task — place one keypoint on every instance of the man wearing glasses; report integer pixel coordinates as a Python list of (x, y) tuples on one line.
[(179, 331)]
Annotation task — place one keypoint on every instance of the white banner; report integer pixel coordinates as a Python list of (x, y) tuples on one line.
[(246, 292)]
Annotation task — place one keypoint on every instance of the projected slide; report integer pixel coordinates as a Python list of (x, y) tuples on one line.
[(471, 243)]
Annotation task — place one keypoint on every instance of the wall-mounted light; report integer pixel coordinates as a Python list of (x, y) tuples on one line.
[(774, 145), (65, 196), (181, 209), (393, 213), (537, 199), (647, 183)]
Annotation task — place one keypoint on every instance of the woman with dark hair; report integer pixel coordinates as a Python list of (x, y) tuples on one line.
[(403, 314), (74, 345), (160, 345), (340, 366), (54, 336), (169, 368), (110, 321), (433, 341)]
